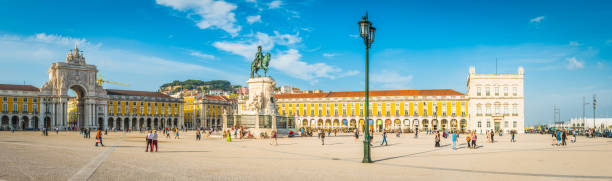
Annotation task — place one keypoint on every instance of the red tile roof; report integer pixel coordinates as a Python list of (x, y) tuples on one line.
[(18, 87), (135, 93), (376, 93)]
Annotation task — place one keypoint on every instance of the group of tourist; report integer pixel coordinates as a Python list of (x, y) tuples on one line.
[(85, 132), (151, 141), (560, 137), (471, 140)]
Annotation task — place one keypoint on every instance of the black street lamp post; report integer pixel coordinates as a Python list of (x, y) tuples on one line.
[(367, 31)]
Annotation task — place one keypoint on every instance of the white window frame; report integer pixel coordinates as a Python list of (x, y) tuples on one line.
[(505, 91)]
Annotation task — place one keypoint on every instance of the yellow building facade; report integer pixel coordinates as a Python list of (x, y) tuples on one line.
[(207, 111), (20, 106), (143, 110), (437, 109)]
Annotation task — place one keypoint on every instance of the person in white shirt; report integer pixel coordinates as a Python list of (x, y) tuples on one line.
[(149, 142), (154, 138)]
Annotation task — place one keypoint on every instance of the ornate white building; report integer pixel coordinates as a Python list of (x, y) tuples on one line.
[(497, 101)]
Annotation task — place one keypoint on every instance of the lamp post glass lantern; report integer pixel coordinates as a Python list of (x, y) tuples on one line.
[(367, 32)]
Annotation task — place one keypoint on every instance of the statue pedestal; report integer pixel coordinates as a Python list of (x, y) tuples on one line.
[(261, 110), (261, 95)]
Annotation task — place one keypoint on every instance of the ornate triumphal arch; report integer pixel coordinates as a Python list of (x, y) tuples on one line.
[(81, 77)]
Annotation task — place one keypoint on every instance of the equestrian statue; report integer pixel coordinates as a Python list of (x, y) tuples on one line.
[(261, 62)]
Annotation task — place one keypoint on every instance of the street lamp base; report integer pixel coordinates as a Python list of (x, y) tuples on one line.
[(366, 152)]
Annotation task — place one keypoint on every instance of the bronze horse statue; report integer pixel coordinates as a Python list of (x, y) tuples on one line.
[(261, 62)]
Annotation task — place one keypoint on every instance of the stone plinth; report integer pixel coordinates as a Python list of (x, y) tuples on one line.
[(260, 107), (261, 96)]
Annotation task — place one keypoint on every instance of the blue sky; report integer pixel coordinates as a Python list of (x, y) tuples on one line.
[(565, 46)]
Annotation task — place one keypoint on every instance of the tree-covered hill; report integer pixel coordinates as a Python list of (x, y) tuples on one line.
[(198, 84)]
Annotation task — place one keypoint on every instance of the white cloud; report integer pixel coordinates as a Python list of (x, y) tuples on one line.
[(275, 4), (329, 55), (201, 55), (286, 39), (574, 43), (290, 63), (251, 1), (537, 19), (212, 14), (248, 48), (353, 36), (38, 51), (388, 79), (253, 19), (574, 63)]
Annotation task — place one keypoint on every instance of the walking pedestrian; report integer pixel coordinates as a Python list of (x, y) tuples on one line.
[(149, 140), (322, 136), (474, 137), (229, 136), (177, 134), (416, 133), (563, 137), (492, 135), (513, 132), (273, 138), (356, 135), (467, 138), (558, 138), (574, 136), (454, 137), (384, 139), (99, 137), (198, 135), (154, 140), (554, 138), (437, 139)]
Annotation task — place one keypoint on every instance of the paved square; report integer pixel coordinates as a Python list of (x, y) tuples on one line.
[(29, 156)]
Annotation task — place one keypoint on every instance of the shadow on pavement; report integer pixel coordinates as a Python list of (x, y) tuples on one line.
[(183, 151)]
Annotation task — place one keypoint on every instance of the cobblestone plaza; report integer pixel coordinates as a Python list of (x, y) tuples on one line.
[(63, 156)]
